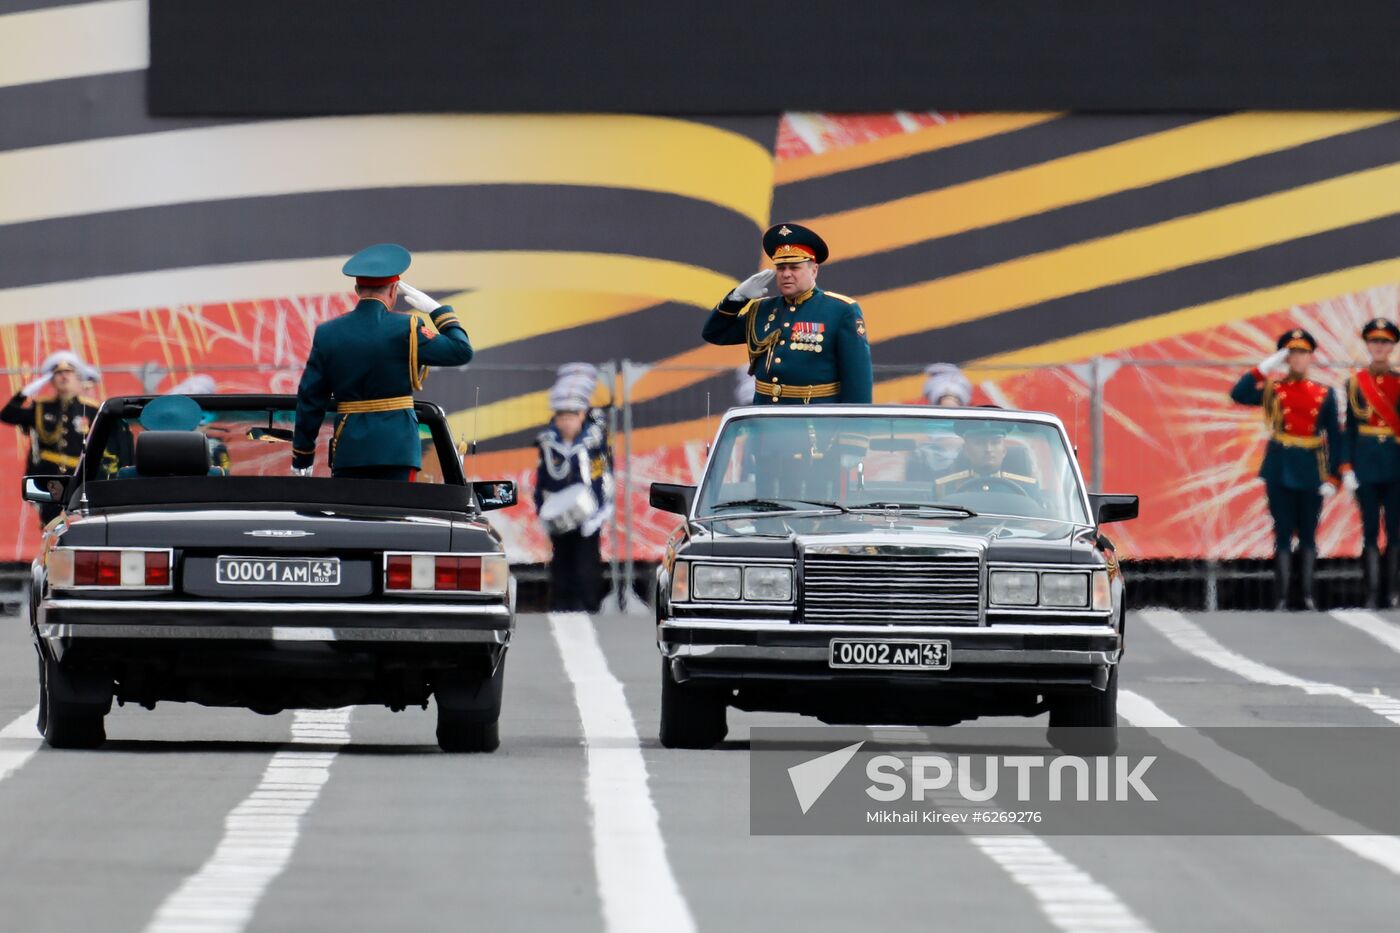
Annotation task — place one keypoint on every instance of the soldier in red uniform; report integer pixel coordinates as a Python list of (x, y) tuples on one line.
[(1374, 454), (1304, 461)]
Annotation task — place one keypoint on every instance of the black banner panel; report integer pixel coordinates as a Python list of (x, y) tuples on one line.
[(271, 57)]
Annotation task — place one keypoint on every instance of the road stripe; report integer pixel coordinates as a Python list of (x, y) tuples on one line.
[(1070, 897), (1245, 776), (1387, 633), (636, 885), (18, 742), (1191, 638), (260, 834)]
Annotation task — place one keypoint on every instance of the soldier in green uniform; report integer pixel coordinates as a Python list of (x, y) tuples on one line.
[(804, 344), (58, 426), (1373, 455), (981, 467), (364, 367)]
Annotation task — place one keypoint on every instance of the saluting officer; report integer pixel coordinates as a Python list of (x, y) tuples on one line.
[(1374, 454), (1304, 441), (58, 427), (365, 365), (804, 344)]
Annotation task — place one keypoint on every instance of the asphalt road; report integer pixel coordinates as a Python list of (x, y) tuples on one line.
[(200, 819)]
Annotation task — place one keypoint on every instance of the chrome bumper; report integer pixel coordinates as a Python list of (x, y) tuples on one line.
[(1070, 645), (64, 619)]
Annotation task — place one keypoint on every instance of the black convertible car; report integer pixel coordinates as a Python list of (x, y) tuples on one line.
[(189, 565), (895, 565)]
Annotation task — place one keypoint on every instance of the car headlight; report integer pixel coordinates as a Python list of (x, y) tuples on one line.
[(716, 581), (768, 584), (680, 582), (1103, 592), (1064, 590), (1014, 587)]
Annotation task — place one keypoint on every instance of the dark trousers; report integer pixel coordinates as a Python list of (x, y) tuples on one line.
[(399, 473), (1295, 512), (575, 573), (1373, 498)]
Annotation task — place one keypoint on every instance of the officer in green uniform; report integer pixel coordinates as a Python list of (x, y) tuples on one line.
[(981, 467), (58, 426), (1373, 452), (364, 367), (804, 344)]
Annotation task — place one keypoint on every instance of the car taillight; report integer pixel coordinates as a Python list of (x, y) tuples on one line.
[(109, 568), (446, 573)]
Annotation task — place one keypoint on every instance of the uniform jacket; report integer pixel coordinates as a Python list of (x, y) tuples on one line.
[(1305, 444), (964, 480), (586, 459), (818, 340), (58, 430), (1371, 445), (367, 354)]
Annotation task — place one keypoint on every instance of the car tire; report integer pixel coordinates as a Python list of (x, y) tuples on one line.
[(469, 712), (73, 709), (41, 722), (691, 716), (1087, 725)]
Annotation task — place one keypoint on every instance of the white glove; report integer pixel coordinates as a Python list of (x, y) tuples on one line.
[(753, 287), (1327, 490), (35, 386), (1350, 482), (417, 299), (301, 471), (1273, 361)]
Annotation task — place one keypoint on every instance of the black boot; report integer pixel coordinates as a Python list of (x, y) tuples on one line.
[(1307, 563), (1371, 576), (1282, 572), (1390, 585)]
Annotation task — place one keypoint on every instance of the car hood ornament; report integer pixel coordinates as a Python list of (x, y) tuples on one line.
[(279, 533)]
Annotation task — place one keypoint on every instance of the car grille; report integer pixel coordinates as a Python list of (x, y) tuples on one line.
[(883, 589)]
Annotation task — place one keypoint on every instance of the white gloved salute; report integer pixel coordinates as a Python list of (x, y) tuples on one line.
[(416, 299), (753, 287), (34, 387), (1350, 482), (1273, 361), (1327, 490)]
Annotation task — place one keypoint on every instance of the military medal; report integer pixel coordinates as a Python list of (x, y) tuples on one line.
[(808, 335)]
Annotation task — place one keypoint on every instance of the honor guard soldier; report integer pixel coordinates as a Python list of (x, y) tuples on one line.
[(57, 426), (1303, 434), (805, 344), (1374, 455), (364, 367)]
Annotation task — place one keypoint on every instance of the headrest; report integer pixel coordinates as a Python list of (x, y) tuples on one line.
[(171, 453)]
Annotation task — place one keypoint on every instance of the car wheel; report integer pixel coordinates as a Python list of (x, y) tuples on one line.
[(469, 712), (1087, 725), (691, 716), (74, 708), (41, 723)]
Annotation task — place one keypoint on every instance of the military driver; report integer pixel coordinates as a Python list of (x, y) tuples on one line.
[(981, 467), (365, 365)]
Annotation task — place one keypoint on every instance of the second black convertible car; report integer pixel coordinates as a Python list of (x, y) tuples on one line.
[(189, 565), (891, 565)]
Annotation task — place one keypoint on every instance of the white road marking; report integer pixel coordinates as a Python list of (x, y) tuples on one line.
[(1245, 776), (1191, 638), (1387, 633), (18, 742), (636, 885), (259, 834)]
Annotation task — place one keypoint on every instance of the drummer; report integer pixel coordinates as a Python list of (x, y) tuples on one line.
[(573, 495)]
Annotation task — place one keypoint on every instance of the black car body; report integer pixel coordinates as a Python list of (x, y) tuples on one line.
[(879, 595), (261, 589)]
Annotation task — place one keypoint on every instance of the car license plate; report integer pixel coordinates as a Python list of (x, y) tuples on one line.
[(278, 571), (889, 654)]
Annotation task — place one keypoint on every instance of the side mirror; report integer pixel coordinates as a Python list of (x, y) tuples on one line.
[(492, 494), (672, 497), (1113, 508), (45, 489)]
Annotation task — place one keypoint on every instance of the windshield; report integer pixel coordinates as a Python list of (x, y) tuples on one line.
[(978, 465), (247, 443)]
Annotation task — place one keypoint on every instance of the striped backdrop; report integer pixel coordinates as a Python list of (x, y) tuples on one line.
[(1001, 241)]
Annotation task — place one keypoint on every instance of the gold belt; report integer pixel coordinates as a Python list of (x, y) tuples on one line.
[(398, 403), (1310, 441), (805, 393), (61, 459), (1376, 430)]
